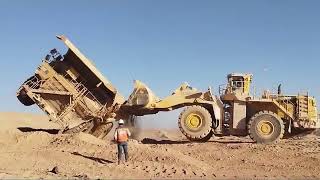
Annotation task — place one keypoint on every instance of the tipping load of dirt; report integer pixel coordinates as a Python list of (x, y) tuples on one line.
[(37, 152)]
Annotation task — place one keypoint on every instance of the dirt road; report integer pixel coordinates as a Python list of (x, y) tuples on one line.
[(30, 148)]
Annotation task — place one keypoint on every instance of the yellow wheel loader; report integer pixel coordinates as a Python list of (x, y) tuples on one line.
[(233, 112)]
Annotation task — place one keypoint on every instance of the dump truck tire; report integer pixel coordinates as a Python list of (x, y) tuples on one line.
[(83, 127), (195, 123), (265, 127), (24, 98), (22, 94), (102, 130)]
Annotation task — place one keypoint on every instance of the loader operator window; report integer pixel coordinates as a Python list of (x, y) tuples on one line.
[(237, 84)]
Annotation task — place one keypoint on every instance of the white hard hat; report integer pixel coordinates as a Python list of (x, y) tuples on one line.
[(121, 121)]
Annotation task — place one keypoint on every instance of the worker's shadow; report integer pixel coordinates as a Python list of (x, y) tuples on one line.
[(99, 160), (29, 129)]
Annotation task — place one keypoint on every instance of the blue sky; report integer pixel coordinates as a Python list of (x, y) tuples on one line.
[(167, 42)]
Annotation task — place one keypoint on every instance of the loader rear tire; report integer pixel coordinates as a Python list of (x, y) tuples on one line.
[(195, 123), (266, 127)]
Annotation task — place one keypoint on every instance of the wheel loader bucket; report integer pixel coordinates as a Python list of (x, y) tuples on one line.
[(142, 95)]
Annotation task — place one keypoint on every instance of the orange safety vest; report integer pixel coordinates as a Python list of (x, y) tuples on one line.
[(122, 135)]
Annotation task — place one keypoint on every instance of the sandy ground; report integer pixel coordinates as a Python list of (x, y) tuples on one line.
[(30, 148)]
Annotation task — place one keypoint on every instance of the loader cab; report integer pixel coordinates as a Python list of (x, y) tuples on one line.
[(239, 84), (235, 97)]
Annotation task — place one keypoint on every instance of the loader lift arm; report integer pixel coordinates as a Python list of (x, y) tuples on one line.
[(202, 114)]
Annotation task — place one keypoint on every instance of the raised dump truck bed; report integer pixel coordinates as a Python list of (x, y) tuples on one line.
[(73, 92)]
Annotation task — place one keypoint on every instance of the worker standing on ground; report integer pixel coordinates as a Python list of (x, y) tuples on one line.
[(121, 136)]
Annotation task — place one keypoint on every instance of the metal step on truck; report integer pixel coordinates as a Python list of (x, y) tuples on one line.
[(75, 94)]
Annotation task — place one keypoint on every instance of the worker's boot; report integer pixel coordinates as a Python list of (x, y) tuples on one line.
[(119, 161)]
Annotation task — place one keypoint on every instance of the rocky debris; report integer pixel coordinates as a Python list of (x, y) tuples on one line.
[(55, 170), (234, 146), (82, 177)]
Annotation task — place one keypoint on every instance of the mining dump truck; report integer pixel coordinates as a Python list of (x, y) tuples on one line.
[(73, 93), (233, 112)]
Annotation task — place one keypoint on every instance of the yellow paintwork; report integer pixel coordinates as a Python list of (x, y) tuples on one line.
[(183, 94), (247, 83), (281, 114), (193, 121), (265, 128), (312, 109), (142, 95)]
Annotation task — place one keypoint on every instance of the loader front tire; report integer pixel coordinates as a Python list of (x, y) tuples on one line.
[(266, 127), (195, 123)]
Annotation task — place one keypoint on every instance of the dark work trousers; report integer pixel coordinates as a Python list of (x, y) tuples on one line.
[(123, 148)]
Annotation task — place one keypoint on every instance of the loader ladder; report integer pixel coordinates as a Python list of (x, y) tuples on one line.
[(302, 107), (283, 105)]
